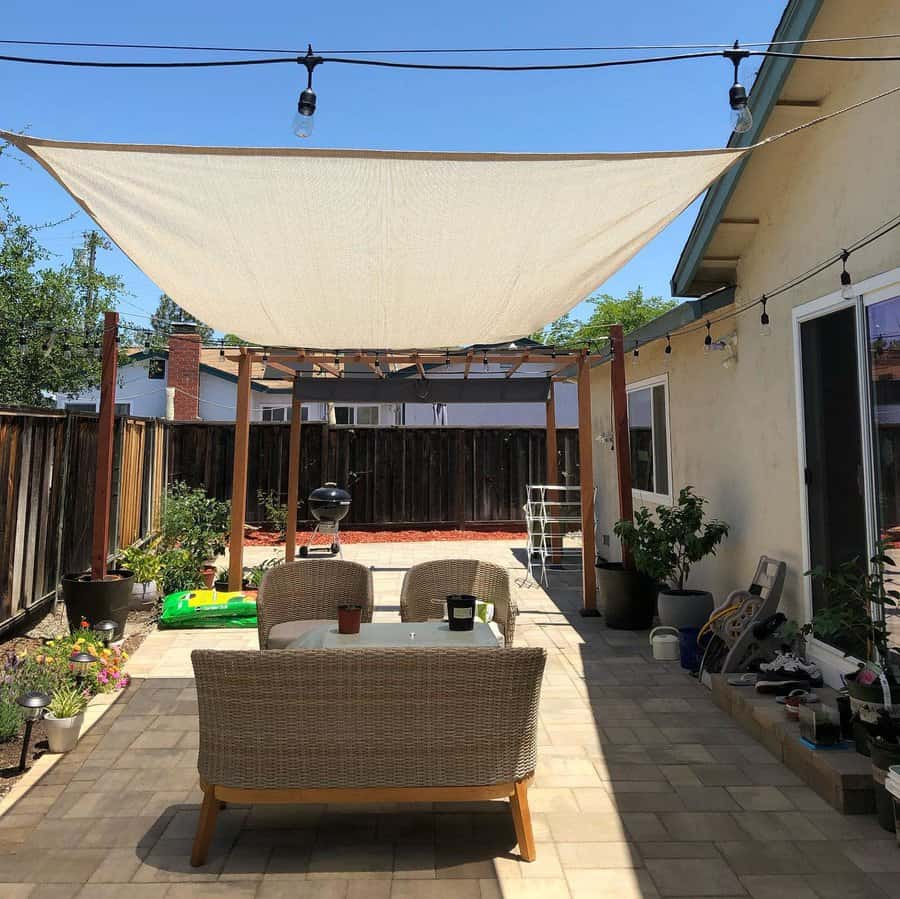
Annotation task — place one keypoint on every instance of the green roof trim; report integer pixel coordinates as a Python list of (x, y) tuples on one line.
[(796, 20)]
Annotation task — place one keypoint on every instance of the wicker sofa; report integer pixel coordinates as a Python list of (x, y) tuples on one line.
[(367, 725), (312, 589), (427, 586)]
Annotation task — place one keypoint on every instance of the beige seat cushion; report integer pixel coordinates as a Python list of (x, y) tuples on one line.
[(282, 634)]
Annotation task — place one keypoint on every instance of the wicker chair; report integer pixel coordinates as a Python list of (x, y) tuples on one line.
[(427, 586), (307, 590), (367, 725)]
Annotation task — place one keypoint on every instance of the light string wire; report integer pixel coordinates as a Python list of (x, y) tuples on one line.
[(876, 234), (700, 45), (450, 67)]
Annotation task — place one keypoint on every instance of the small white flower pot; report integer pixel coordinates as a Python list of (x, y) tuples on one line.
[(63, 733)]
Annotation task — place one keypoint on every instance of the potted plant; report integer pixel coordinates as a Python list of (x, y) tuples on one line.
[(64, 717), (178, 570), (853, 617), (197, 523), (253, 576), (144, 562), (627, 596), (664, 549)]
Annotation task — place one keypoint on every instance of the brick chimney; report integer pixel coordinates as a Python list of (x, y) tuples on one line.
[(184, 370)]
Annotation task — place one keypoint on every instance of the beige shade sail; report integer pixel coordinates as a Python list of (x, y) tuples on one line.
[(347, 248)]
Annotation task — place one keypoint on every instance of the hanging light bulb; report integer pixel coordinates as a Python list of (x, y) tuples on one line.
[(635, 354), (707, 341), (741, 117), (846, 280), (306, 105), (23, 343), (668, 349), (485, 362), (265, 356), (765, 323), (222, 349), (337, 359), (377, 363)]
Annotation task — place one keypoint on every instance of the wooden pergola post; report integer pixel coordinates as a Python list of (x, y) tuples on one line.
[(620, 428), (586, 467), (552, 474), (239, 477), (105, 438), (290, 531)]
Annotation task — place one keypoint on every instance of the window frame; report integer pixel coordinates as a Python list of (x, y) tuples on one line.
[(353, 412), (285, 410), (649, 496)]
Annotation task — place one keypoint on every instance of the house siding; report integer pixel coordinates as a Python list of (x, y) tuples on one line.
[(734, 430)]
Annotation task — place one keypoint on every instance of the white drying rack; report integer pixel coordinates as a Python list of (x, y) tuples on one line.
[(552, 512)]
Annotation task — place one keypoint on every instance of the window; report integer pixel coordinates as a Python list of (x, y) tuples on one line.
[(648, 431), (356, 415), (123, 409), (276, 413), (156, 369)]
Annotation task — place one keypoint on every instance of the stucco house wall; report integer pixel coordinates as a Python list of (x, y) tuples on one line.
[(734, 431)]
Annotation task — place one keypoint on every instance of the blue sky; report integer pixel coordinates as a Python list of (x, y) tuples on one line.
[(670, 106)]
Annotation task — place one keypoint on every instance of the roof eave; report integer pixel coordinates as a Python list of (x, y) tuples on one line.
[(795, 23)]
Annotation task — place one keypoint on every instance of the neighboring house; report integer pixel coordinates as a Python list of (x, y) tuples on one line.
[(791, 435), (204, 387)]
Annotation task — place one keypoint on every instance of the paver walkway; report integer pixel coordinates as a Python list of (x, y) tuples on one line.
[(644, 788)]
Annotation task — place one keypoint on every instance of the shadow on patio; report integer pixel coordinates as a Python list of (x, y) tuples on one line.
[(643, 788)]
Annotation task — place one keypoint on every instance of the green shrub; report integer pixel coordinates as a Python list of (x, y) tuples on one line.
[(10, 716), (276, 511), (179, 570), (142, 560), (194, 522)]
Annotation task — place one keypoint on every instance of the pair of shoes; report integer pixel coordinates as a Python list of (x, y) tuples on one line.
[(787, 672)]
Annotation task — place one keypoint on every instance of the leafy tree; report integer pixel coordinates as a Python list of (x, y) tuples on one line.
[(234, 340), (631, 311), (167, 311), (50, 318)]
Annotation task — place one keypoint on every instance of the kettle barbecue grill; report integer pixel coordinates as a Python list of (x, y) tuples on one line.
[(329, 506)]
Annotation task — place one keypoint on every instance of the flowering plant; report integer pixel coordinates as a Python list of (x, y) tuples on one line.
[(104, 676)]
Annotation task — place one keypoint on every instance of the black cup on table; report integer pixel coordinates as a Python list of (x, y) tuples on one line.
[(461, 612)]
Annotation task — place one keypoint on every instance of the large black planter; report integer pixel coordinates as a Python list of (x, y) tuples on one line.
[(883, 756), (94, 601), (627, 598)]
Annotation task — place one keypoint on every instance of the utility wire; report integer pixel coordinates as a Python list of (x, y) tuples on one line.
[(700, 45), (448, 67)]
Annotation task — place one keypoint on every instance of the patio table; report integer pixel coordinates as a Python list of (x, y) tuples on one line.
[(398, 634)]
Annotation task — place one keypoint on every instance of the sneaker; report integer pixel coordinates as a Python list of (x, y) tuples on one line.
[(787, 667)]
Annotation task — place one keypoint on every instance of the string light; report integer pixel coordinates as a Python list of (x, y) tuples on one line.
[(222, 349), (846, 280), (635, 354), (337, 359), (764, 322), (485, 361), (741, 117), (265, 355), (668, 349), (707, 341), (306, 105)]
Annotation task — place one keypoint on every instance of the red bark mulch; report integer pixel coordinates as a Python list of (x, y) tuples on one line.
[(270, 538)]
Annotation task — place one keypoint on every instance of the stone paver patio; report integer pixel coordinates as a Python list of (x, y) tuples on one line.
[(644, 788)]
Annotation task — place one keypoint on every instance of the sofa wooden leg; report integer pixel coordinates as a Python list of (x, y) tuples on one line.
[(522, 821), (205, 826)]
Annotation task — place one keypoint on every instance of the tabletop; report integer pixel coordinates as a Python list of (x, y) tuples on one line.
[(399, 634)]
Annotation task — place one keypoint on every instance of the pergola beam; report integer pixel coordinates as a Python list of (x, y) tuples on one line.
[(293, 489), (586, 468), (239, 476), (517, 364)]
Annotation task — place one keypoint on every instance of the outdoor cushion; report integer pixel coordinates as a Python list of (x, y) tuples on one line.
[(287, 631)]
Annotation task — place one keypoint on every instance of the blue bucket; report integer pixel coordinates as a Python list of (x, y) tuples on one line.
[(691, 653)]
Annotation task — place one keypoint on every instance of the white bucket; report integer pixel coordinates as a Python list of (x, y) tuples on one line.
[(664, 641)]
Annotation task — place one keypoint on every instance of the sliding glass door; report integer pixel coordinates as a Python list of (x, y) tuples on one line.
[(883, 339)]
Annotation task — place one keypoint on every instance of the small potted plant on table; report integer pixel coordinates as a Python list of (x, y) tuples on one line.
[(664, 549)]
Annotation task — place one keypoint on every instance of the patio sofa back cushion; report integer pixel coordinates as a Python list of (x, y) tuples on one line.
[(427, 586), (309, 589), (367, 718)]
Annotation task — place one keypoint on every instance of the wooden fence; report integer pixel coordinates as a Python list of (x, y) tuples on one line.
[(419, 476), (47, 468), (399, 477)]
